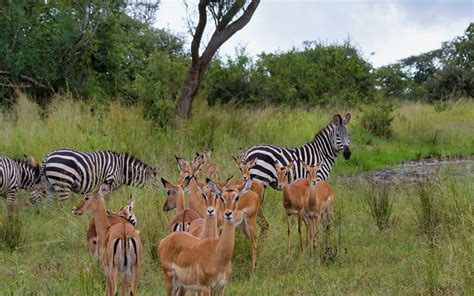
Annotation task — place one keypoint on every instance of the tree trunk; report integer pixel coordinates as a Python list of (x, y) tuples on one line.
[(200, 64), (191, 84)]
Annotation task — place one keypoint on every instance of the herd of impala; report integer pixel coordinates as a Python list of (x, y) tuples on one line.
[(196, 254)]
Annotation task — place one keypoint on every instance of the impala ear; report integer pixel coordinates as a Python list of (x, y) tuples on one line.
[(245, 187), (168, 185), (103, 189), (337, 119), (347, 118), (131, 201), (237, 160), (213, 187), (277, 165), (181, 163)]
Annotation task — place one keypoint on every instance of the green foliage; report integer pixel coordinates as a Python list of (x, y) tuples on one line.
[(392, 81), (317, 75), (445, 73), (93, 49), (379, 200), (377, 119)]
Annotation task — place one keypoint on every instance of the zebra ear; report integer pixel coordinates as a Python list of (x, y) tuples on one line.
[(337, 119), (347, 118)]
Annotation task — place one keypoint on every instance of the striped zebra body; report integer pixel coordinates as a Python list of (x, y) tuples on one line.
[(15, 174), (67, 170), (324, 149)]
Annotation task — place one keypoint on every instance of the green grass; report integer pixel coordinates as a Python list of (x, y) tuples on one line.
[(51, 256)]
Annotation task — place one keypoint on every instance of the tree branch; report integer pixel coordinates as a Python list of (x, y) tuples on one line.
[(230, 14), (32, 81), (219, 37), (80, 35), (199, 30)]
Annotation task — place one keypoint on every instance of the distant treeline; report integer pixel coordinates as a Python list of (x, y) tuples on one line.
[(105, 50)]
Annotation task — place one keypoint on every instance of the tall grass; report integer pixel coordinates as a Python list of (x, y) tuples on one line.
[(52, 256), (379, 199)]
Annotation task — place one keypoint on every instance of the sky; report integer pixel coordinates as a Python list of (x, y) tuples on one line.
[(385, 31)]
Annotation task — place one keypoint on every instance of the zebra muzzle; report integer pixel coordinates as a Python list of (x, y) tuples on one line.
[(346, 152)]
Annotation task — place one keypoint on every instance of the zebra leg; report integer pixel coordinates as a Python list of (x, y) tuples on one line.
[(63, 194), (11, 198)]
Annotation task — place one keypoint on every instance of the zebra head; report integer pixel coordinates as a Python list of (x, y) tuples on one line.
[(341, 138)]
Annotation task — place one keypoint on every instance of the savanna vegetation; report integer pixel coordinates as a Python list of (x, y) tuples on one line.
[(424, 245), (97, 75)]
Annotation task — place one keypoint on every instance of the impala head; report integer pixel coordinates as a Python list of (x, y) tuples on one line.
[(127, 211), (341, 138), (245, 167), (173, 193), (88, 205), (312, 172), (210, 200), (187, 169), (229, 197), (282, 173)]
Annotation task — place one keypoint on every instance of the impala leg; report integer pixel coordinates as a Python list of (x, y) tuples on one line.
[(300, 217), (206, 291), (288, 222)]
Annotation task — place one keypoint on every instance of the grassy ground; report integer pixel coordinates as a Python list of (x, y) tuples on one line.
[(426, 250)]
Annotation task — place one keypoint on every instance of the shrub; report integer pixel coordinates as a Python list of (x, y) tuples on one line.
[(377, 120)]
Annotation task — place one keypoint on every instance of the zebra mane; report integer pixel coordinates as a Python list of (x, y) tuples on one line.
[(131, 158), (24, 163), (325, 129)]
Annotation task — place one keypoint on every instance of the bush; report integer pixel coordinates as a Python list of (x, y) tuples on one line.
[(377, 120)]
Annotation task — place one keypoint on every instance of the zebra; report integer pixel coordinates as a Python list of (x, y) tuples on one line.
[(65, 170), (19, 173), (327, 143)]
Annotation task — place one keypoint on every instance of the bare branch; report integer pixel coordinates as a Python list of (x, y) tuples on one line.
[(32, 81)]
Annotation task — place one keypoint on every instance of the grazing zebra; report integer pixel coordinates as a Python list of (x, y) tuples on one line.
[(327, 143), (66, 170), (24, 174)]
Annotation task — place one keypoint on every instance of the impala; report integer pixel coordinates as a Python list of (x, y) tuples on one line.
[(119, 244), (201, 265), (126, 212)]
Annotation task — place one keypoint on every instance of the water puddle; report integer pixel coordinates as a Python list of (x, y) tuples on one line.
[(418, 170)]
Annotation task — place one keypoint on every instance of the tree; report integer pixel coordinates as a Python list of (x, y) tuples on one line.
[(223, 12)]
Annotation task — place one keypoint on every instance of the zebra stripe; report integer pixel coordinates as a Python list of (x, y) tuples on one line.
[(67, 170), (327, 143), (24, 174)]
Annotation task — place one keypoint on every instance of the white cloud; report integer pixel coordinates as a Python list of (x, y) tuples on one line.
[(392, 29)]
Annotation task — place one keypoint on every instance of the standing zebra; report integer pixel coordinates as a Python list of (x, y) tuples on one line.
[(327, 143), (66, 170), (16, 173)]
